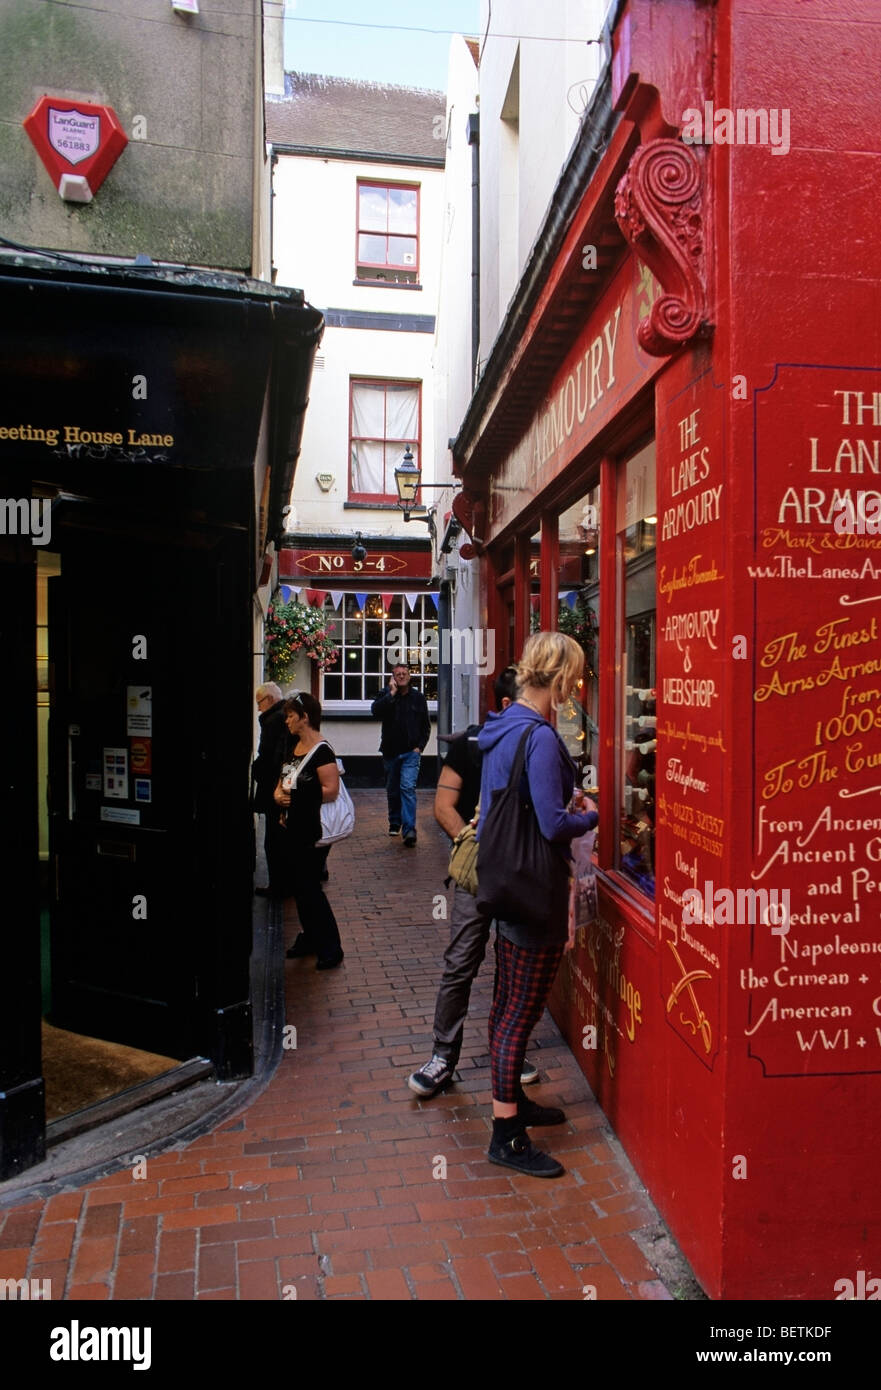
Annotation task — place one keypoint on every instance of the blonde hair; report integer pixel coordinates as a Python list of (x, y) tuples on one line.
[(551, 659)]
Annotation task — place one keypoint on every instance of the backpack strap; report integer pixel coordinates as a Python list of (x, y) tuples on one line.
[(295, 776)]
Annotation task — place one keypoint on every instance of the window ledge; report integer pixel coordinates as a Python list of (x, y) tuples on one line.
[(637, 909), (388, 284), (384, 507), (334, 709)]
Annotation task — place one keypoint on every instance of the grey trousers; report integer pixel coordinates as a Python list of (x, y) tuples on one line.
[(469, 934)]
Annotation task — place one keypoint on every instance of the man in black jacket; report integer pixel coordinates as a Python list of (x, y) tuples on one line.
[(406, 729), (266, 772)]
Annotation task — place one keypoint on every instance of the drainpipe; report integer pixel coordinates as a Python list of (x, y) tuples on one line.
[(444, 670), (474, 142)]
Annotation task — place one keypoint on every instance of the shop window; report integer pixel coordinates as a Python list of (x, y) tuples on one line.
[(387, 233), (636, 528), (578, 610), (374, 631), (384, 417)]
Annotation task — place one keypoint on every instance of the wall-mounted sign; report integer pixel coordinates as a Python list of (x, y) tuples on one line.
[(78, 143), (141, 750), (337, 563), (138, 710), (116, 773), (120, 815)]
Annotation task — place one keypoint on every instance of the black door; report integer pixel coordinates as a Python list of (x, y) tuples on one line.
[(21, 1085), (148, 791)]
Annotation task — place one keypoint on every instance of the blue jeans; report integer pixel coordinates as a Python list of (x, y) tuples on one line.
[(400, 787)]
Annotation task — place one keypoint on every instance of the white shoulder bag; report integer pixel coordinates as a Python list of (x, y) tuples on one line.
[(337, 816)]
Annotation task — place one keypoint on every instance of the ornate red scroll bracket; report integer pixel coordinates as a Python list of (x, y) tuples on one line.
[(659, 208), (470, 509)]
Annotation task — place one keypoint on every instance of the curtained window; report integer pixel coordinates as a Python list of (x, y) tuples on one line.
[(385, 418)]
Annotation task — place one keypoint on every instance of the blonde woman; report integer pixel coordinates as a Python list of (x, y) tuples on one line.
[(528, 956)]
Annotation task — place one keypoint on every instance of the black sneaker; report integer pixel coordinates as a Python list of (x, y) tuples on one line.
[(431, 1078), (394, 830), (531, 1113), (529, 1074), (518, 1152), (410, 840)]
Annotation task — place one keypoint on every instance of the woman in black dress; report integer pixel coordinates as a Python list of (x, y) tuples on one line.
[(308, 777)]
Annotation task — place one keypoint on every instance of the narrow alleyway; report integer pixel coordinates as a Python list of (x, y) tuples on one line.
[(337, 1182)]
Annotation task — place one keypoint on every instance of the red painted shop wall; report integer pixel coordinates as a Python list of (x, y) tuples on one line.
[(746, 1083), (804, 1086)]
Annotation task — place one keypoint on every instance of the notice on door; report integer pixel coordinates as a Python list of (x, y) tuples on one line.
[(116, 774), (142, 755), (139, 710)]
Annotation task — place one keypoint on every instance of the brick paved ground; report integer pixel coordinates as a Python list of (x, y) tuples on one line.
[(337, 1182)]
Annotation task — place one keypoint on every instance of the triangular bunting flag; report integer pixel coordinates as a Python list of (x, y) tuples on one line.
[(336, 596), (411, 601), (285, 593), (571, 598), (362, 601), (434, 598)]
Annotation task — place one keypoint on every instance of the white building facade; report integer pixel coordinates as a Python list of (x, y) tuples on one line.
[(357, 211), (514, 110)]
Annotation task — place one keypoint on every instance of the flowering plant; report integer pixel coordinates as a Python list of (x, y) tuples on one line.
[(292, 628)]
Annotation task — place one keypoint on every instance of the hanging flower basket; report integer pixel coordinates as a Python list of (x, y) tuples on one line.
[(292, 628)]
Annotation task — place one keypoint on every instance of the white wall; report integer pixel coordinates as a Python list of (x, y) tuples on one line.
[(453, 348), (556, 71), (349, 352), (314, 222), (314, 247)]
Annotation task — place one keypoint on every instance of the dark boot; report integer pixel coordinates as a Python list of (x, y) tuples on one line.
[(511, 1147), (531, 1113)]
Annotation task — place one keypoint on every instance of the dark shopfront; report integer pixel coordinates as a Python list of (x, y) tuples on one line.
[(135, 406), (675, 458)]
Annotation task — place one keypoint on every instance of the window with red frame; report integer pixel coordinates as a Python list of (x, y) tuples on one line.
[(384, 417), (388, 233)]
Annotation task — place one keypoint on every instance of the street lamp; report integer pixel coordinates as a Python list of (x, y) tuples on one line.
[(408, 476), (408, 481)]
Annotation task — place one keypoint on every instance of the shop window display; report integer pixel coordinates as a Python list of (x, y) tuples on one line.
[(637, 523), (578, 616)]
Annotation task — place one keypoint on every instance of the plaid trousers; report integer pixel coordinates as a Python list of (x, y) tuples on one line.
[(523, 983)]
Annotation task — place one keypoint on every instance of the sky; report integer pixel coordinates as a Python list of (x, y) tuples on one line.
[(377, 40)]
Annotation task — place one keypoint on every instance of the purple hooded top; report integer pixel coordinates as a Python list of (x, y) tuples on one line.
[(549, 778)]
